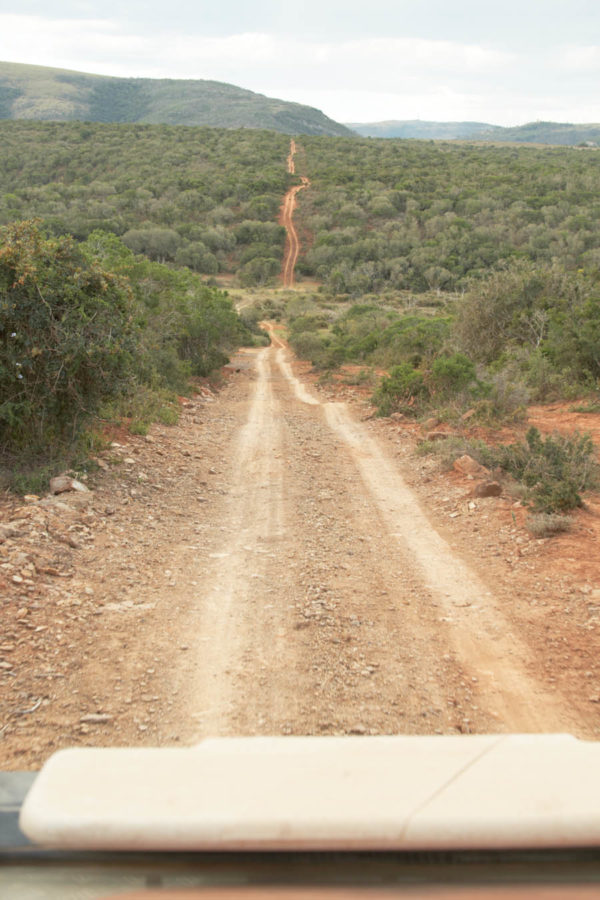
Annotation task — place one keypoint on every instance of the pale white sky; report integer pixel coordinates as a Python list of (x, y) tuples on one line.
[(359, 61)]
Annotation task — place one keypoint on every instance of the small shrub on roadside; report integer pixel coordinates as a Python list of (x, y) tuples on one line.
[(590, 406), (31, 481), (364, 377), (451, 374), (543, 524), (505, 399), (141, 428), (546, 383), (142, 406), (404, 390), (556, 469)]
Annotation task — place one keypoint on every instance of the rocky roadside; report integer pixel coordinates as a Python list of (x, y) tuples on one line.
[(80, 651), (550, 586)]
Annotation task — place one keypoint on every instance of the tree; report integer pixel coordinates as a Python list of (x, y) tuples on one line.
[(503, 311), (160, 244), (195, 255), (259, 270)]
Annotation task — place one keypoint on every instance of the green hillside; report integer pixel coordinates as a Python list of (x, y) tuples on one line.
[(37, 92), (422, 130), (557, 133), (563, 133)]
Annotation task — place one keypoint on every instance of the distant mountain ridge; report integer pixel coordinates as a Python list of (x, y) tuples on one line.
[(38, 92), (49, 94), (417, 128), (563, 133)]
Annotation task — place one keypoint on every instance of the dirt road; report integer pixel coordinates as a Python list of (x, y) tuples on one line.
[(334, 579), (292, 244), (264, 568)]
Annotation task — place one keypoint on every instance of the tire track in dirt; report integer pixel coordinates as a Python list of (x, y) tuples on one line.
[(292, 244), (255, 523), (262, 568), (285, 639), (478, 631), (331, 605)]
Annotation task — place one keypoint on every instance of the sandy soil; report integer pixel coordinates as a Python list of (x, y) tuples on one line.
[(280, 562)]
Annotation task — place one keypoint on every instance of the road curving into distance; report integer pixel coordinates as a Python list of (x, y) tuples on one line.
[(292, 244)]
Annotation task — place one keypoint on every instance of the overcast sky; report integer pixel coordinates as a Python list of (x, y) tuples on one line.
[(506, 63)]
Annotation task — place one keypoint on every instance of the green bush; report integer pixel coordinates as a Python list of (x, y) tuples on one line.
[(451, 374), (143, 406), (545, 382), (208, 327), (311, 346), (504, 398), (556, 469), (412, 338), (402, 391), (187, 326), (67, 337), (29, 481), (306, 323), (259, 271)]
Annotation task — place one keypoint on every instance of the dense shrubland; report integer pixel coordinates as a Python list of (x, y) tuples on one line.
[(91, 330), (470, 274), (533, 333), (406, 215), (525, 333), (203, 198), (381, 216)]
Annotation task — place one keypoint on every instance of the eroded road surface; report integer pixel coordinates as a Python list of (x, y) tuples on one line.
[(264, 568)]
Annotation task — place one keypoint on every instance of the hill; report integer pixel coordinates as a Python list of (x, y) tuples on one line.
[(561, 133), (416, 128), (564, 133), (37, 92)]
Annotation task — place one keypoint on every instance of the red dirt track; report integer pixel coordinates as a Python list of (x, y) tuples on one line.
[(292, 244)]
